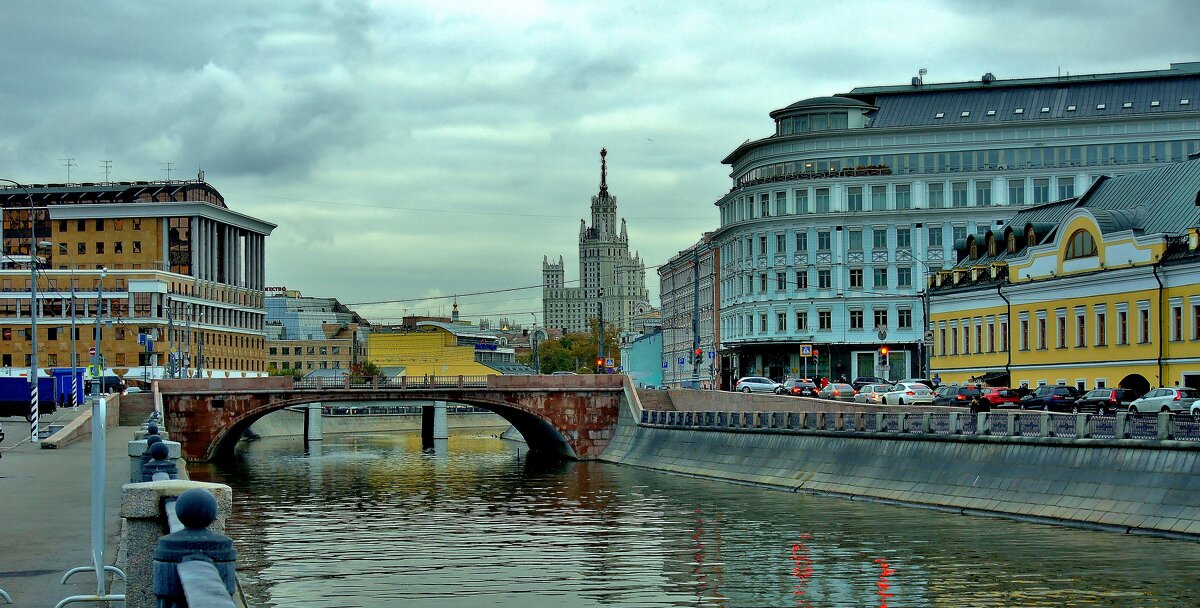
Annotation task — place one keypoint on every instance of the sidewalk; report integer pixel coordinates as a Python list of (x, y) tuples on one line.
[(45, 512)]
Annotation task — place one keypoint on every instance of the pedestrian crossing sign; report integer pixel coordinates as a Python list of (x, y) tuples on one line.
[(806, 350)]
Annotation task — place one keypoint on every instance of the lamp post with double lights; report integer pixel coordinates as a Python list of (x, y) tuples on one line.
[(33, 357)]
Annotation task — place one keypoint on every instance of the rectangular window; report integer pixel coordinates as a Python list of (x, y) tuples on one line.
[(903, 238), (824, 320), (983, 193), (762, 245), (1122, 327), (903, 196), (966, 345), (879, 238), (780, 282), (1080, 330), (1066, 187), (802, 241), (1101, 326), (1176, 323), (1016, 192), (959, 194), (856, 278), (762, 283), (953, 340), (764, 205), (991, 336), (119, 247), (1062, 330), (824, 279), (1144, 325), (1196, 321), (801, 201), (879, 276), (801, 280), (99, 225), (903, 276), (81, 248), (854, 198), (99, 246), (801, 321), (781, 203), (137, 248), (1041, 190), (935, 236), (881, 318), (762, 323), (823, 240), (1024, 334), (822, 200), (959, 233), (978, 338), (856, 319), (1041, 326), (904, 318), (780, 322), (855, 242), (1004, 336), (878, 198), (780, 245), (937, 195)]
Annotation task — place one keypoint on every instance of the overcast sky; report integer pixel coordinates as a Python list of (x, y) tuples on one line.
[(417, 149)]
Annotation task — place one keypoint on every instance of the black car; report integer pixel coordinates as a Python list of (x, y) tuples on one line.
[(959, 396), (1048, 398), (862, 381), (1104, 401), (802, 387)]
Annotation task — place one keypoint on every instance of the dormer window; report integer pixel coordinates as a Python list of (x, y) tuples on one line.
[(991, 244), (1012, 242), (1101, 106), (963, 115), (1030, 237), (1045, 109), (974, 252), (940, 115), (1019, 111), (991, 112), (1127, 105), (1081, 245), (1154, 104), (1071, 108)]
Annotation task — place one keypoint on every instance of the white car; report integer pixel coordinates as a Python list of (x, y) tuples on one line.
[(908, 393), (1177, 399), (757, 384), (872, 393)]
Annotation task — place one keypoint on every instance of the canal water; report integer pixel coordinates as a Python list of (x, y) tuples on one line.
[(375, 521)]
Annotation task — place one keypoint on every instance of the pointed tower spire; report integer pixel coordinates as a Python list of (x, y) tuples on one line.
[(454, 311), (603, 172)]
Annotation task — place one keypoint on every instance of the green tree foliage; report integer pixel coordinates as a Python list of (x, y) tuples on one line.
[(576, 352), (364, 372)]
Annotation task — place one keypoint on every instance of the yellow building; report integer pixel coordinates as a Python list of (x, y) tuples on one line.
[(1095, 291), (441, 349)]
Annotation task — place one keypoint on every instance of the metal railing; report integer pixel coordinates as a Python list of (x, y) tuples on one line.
[(401, 382), (1025, 425)]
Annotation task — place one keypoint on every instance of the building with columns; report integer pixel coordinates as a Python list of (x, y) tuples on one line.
[(610, 279), (835, 219), (686, 279), (183, 273)]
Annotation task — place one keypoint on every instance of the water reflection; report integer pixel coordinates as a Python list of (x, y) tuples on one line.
[(378, 521)]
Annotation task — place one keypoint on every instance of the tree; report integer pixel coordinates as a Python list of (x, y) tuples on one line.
[(365, 372), (577, 352)]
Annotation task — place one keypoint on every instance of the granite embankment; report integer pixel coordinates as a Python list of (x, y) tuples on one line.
[(288, 422), (1136, 486)]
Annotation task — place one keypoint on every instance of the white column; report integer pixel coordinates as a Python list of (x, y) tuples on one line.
[(440, 425)]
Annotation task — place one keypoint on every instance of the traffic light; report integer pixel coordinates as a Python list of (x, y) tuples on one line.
[(699, 356), (883, 357)]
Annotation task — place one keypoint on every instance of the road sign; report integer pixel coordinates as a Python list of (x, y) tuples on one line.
[(620, 369), (929, 336), (806, 350), (681, 360), (608, 363), (712, 354), (92, 351), (665, 365)]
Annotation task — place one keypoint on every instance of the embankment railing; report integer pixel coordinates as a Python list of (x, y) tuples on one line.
[(400, 382), (1162, 426)]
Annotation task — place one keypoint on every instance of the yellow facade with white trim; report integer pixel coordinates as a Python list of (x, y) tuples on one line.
[(435, 352)]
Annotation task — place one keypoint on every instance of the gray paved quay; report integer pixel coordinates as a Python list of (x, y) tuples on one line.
[(45, 512)]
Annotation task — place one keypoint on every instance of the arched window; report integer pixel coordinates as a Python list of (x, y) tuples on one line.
[(1081, 245), (1030, 237), (1012, 242), (991, 245), (974, 247)]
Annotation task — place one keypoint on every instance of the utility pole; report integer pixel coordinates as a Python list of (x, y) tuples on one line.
[(187, 359), (696, 314), (98, 359), (601, 340), (74, 363), (34, 375), (170, 340)]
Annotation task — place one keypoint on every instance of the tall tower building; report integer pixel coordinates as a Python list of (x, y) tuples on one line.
[(609, 277)]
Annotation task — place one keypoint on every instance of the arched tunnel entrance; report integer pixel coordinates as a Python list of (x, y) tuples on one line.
[(539, 434), (1136, 383)]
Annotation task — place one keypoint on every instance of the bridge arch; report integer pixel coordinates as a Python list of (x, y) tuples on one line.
[(572, 416)]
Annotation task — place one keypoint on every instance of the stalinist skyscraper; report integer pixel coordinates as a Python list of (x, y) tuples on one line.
[(608, 275)]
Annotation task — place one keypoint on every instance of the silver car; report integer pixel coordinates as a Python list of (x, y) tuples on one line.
[(837, 391), (908, 393), (872, 393), (1177, 399), (757, 384)]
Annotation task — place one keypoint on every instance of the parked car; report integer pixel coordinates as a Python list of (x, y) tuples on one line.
[(1177, 399), (837, 391), (908, 393), (872, 393), (960, 396), (800, 387), (862, 381), (1104, 401), (1058, 398), (926, 381), (757, 384), (995, 397)]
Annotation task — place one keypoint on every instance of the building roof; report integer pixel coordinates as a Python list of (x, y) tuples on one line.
[(462, 330), (111, 192), (511, 369), (815, 103)]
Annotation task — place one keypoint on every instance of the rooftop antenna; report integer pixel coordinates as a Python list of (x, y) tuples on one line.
[(199, 174), (603, 172), (921, 75), (168, 167), (107, 164), (68, 162)]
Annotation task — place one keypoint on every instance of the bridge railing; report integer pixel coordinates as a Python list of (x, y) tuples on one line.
[(399, 382), (1162, 426)]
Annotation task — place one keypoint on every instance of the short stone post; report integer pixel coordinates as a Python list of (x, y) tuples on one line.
[(879, 428), (142, 509), (839, 421), (195, 553), (926, 423), (902, 422), (1011, 424), (954, 424), (160, 463), (1044, 427), (1121, 426), (859, 420), (139, 455), (1164, 425), (982, 427), (1082, 430)]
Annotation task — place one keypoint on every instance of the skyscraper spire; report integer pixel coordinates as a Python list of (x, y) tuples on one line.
[(603, 172)]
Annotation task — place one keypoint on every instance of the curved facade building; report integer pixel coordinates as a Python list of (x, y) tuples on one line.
[(834, 221)]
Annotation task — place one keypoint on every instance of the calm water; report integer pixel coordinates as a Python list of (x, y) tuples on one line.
[(373, 521)]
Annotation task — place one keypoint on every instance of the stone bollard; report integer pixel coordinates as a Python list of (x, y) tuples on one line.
[(1164, 425), (196, 510), (137, 449), (160, 462), (142, 509), (954, 424)]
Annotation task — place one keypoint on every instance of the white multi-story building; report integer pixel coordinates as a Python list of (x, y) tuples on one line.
[(685, 281), (610, 279), (835, 219)]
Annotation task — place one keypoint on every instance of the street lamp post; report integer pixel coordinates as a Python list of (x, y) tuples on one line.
[(97, 358), (533, 337)]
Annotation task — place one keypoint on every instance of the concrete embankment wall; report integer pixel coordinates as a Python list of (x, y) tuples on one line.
[(1130, 489), (288, 423)]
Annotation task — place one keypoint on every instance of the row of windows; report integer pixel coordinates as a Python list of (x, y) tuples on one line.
[(306, 365), (117, 247), (120, 360), (784, 282), (978, 160), (299, 350), (888, 197), (856, 320), (751, 246), (978, 335)]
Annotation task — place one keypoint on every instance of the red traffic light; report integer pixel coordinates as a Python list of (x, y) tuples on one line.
[(883, 350), (699, 351), (599, 362)]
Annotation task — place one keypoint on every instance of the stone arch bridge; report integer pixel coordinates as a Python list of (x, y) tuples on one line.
[(574, 416)]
